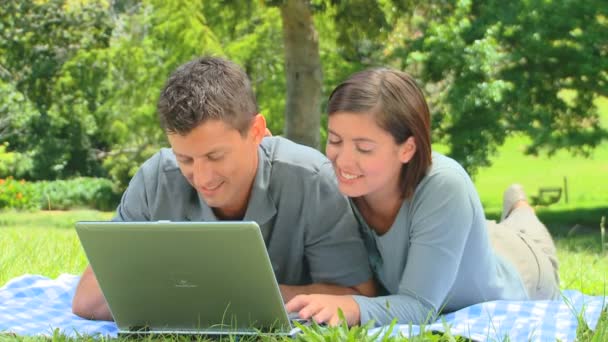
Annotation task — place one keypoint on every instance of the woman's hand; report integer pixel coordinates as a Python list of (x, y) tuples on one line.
[(324, 308)]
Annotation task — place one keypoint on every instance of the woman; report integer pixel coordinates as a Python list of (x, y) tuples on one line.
[(430, 246)]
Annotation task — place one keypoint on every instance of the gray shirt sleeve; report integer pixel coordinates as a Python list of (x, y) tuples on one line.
[(134, 204), (334, 249), (438, 224), (403, 307)]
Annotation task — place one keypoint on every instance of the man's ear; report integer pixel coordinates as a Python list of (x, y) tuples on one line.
[(407, 150), (258, 128)]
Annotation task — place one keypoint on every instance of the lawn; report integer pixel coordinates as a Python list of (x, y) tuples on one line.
[(42, 242), (585, 177), (45, 243)]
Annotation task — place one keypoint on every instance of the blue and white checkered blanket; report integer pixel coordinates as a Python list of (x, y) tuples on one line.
[(36, 305)]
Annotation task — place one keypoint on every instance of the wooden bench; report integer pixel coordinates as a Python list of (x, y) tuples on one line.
[(546, 196)]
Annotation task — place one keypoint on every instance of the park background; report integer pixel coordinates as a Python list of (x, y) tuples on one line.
[(518, 93)]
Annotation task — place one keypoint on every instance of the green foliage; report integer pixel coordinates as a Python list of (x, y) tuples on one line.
[(94, 79), (257, 45), (94, 193), (16, 111), (79, 80), (360, 28), (36, 40), (499, 68), (17, 194), (13, 163), (148, 43), (39, 36)]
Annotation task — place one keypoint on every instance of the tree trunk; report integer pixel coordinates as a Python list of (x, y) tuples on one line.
[(303, 73)]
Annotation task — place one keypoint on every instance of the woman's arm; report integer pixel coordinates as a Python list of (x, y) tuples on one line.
[(441, 217)]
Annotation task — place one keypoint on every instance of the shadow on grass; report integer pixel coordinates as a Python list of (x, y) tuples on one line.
[(575, 229)]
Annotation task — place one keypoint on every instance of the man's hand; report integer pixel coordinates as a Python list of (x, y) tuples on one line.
[(324, 308)]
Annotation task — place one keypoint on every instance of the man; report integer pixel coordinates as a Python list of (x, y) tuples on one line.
[(219, 167)]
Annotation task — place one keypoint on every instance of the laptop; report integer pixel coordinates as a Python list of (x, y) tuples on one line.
[(209, 278)]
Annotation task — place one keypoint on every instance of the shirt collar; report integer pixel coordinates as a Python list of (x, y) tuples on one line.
[(260, 207)]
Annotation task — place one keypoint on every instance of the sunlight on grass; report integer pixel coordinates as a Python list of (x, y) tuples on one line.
[(51, 219), (42, 243), (46, 243), (585, 176), (584, 271), (39, 251)]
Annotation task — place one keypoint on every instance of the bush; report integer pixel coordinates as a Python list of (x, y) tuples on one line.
[(94, 193), (17, 194)]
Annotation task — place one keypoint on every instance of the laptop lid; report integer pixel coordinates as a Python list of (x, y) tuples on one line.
[(173, 277)]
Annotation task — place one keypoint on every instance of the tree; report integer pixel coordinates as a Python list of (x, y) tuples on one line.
[(80, 79), (491, 69), (256, 45), (301, 57), (496, 69), (36, 39), (15, 111), (303, 73), (356, 21)]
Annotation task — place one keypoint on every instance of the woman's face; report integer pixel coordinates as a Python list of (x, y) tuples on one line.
[(365, 157)]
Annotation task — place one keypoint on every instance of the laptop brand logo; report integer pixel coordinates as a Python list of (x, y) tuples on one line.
[(183, 281)]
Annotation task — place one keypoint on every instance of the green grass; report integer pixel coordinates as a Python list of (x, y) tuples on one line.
[(45, 243), (42, 242), (585, 176)]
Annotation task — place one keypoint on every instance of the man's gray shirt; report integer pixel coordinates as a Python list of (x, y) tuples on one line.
[(308, 227)]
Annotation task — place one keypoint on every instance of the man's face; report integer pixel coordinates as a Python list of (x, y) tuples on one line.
[(220, 163)]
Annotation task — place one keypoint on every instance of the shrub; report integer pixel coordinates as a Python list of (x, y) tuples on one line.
[(94, 193), (17, 194)]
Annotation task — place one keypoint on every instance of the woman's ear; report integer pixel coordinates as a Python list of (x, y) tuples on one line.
[(407, 150)]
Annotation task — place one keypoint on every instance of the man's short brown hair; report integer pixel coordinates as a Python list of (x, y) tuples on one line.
[(207, 88)]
